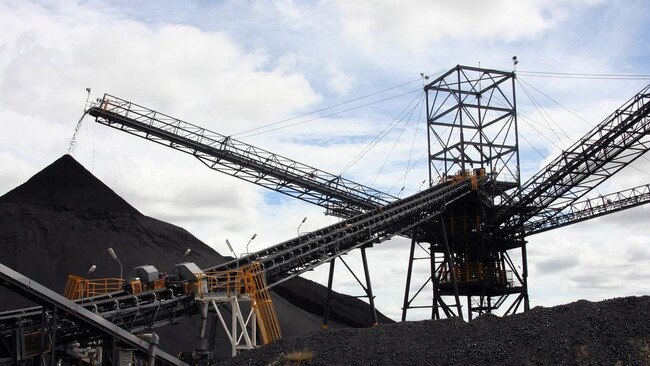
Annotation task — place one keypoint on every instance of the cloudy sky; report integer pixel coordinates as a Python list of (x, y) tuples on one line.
[(348, 71)]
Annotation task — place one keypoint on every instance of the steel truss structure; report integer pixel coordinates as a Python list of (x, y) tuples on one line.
[(277, 264), (367, 288), (283, 261), (472, 129), (63, 322), (591, 208), (610, 146), (464, 228), (135, 313), (472, 123), (339, 196)]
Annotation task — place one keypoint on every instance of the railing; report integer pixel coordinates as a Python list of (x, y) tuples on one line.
[(230, 156), (249, 280), (137, 286), (609, 147), (223, 282), (79, 287), (467, 273)]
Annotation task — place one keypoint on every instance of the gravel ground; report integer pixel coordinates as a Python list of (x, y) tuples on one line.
[(612, 332)]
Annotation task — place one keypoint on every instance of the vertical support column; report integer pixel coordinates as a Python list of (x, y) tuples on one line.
[(43, 332), (445, 243), (153, 340), (202, 346), (54, 325), (254, 329), (19, 345), (514, 115), (409, 273), (489, 305), (233, 311), (524, 276), (426, 95), (371, 297), (326, 310), (460, 121), (435, 281), (116, 352)]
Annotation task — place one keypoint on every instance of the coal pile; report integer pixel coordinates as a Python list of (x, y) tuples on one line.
[(63, 220), (344, 309), (611, 332)]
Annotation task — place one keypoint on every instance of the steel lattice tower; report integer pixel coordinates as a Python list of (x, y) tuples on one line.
[(472, 123), (471, 130)]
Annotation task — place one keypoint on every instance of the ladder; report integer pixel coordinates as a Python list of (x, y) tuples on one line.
[(256, 287)]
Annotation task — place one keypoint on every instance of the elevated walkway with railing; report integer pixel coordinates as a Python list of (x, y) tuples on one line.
[(218, 289), (78, 287)]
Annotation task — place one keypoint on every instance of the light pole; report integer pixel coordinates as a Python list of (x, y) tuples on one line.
[(421, 184), (91, 270), (187, 252), (232, 251), (237, 270), (249, 241), (298, 229), (84, 289), (112, 253)]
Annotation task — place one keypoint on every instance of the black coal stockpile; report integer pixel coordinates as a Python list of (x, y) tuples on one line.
[(612, 332), (63, 220)]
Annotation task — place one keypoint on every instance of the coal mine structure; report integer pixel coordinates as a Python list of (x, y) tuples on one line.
[(183, 303)]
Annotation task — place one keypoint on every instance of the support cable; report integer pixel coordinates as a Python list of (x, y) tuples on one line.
[(408, 170), (532, 146), (593, 76), (542, 114), (564, 133), (378, 138), (408, 120), (415, 135), (577, 116), (556, 102), (330, 114), (324, 108)]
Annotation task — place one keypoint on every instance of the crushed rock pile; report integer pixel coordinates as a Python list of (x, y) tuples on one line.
[(63, 220), (611, 332)]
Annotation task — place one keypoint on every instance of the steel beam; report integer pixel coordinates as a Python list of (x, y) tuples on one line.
[(590, 208), (610, 146), (293, 257), (76, 313), (338, 195)]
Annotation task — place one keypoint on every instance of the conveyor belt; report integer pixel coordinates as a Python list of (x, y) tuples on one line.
[(340, 196), (76, 314), (591, 208), (609, 147), (279, 262), (292, 257)]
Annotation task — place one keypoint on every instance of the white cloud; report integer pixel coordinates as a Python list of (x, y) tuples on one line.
[(337, 80), (173, 67), (415, 25)]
